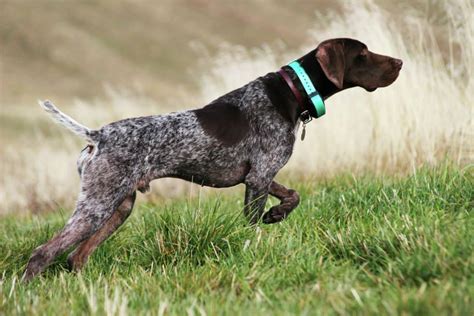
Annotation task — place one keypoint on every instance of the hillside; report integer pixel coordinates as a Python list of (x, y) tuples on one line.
[(71, 49), (367, 246)]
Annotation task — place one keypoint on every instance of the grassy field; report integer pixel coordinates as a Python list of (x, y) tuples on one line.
[(355, 245)]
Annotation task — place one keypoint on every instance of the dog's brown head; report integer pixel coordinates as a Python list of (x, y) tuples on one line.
[(348, 63)]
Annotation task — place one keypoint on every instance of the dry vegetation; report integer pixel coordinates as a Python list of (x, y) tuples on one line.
[(140, 53)]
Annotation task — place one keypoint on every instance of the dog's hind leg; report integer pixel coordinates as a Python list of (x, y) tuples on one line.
[(95, 205), (79, 256), (289, 201)]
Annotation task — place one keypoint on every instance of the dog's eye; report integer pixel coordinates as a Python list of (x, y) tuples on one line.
[(362, 55)]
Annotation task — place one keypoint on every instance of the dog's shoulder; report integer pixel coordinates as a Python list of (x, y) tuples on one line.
[(224, 121)]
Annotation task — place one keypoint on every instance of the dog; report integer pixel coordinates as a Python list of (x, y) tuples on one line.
[(245, 136)]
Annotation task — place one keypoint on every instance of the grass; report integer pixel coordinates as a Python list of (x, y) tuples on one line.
[(366, 245)]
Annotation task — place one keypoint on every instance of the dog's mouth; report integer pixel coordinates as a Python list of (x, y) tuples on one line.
[(387, 79)]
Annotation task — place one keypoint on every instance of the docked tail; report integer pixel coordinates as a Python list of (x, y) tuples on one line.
[(90, 135)]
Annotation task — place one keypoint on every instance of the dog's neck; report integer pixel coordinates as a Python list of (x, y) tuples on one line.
[(283, 98), (324, 86)]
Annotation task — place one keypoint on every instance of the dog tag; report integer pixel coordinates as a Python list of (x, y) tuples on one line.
[(303, 133)]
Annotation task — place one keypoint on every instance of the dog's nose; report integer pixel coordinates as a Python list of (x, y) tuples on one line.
[(397, 63)]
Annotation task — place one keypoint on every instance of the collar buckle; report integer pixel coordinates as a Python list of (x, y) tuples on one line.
[(305, 117)]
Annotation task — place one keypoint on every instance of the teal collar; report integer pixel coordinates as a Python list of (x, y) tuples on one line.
[(309, 88)]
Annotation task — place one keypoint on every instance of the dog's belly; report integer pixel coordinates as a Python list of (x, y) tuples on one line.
[(213, 177)]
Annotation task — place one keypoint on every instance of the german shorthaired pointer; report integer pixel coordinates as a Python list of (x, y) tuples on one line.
[(245, 136)]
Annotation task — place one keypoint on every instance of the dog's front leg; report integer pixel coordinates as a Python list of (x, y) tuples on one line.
[(289, 201), (256, 196)]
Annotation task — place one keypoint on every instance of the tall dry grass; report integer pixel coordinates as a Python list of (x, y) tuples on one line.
[(426, 116)]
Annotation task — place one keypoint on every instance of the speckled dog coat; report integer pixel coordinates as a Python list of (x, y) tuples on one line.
[(126, 155), (245, 136)]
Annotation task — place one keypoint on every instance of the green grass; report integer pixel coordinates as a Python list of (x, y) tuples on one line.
[(366, 245)]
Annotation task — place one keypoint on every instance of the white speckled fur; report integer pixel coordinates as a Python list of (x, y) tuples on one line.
[(124, 156)]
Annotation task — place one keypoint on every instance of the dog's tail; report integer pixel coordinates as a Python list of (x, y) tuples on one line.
[(91, 136)]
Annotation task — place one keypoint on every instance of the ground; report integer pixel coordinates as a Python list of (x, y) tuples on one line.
[(355, 245)]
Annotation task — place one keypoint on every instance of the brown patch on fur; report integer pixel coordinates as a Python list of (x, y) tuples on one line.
[(223, 121)]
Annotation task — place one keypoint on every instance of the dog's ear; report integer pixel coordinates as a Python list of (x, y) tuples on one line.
[(330, 56)]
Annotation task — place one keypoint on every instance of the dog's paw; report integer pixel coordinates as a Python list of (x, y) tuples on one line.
[(75, 261), (274, 215), (35, 265)]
